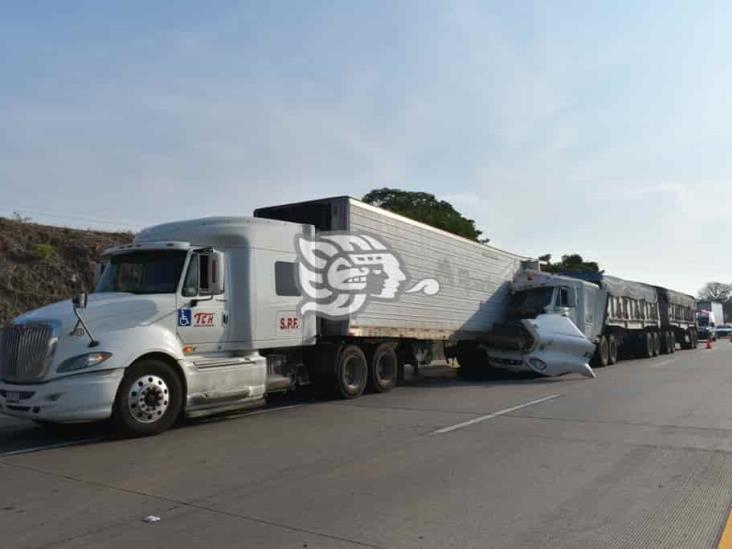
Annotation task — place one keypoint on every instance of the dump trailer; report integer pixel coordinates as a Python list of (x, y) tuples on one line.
[(677, 319), (208, 315), (617, 317)]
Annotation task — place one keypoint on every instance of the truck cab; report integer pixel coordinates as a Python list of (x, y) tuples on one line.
[(551, 324), (175, 325), (536, 293)]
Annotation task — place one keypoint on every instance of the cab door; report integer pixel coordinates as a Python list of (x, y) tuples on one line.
[(202, 316), (566, 303)]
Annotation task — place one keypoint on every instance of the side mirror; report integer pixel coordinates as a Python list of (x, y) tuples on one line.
[(79, 300), (213, 268)]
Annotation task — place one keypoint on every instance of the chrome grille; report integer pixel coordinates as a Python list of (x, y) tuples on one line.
[(26, 351)]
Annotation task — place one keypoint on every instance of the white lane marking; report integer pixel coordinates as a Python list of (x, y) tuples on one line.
[(494, 414), (663, 363), (66, 444)]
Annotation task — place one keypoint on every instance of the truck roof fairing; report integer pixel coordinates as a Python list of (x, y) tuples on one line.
[(229, 232), (143, 246)]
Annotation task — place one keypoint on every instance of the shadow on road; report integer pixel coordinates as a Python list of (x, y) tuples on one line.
[(21, 436)]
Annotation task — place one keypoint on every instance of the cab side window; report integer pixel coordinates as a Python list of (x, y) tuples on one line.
[(190, 285), (286, 279), (563, 297)]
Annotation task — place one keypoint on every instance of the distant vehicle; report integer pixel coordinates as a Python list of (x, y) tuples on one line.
[(725, 330), (706, 323), (710, 314)]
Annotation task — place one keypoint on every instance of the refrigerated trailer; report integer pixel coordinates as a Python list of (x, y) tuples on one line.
[(202, 316)]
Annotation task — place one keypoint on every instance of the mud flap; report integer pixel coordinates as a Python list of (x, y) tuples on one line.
[(559, 347)]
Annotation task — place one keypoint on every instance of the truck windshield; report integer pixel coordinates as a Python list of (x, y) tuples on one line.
[(529, 303), (148, 272), (703, 321)]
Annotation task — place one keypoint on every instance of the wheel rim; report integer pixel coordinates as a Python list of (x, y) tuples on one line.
[(353, 373), (148, 399)]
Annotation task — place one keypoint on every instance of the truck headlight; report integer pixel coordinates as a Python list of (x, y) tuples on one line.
[(538, 363), (82, 362)]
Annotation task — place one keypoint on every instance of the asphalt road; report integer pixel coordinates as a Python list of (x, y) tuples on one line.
[(639, 457)]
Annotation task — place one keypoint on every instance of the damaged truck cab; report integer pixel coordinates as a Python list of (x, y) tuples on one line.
[(570, 321), (542, 332)]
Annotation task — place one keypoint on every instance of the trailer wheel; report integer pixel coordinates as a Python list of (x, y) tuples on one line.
[(602, 352), (656, 343), (351, 372), (612, 349), (148, 400), (647, 345), (383, 368), (669, 342)]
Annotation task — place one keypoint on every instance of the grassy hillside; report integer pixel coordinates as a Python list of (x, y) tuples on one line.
[(40, 264)]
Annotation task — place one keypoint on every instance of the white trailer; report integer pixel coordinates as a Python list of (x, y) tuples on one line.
[(197, 317)]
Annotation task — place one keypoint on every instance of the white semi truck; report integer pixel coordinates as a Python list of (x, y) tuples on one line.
[(709, 315), (202, 316), (614, 317)]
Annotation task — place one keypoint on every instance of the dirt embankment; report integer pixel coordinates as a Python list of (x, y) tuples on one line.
[(40, 264)]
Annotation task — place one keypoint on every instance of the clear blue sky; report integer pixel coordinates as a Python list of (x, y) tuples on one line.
[(594, 127)]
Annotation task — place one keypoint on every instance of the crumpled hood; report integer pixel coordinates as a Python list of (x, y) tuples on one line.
[(561, 347), (105, 310)]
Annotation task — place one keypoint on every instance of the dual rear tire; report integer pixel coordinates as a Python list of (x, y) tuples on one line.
[(355, 370), (606, 352)]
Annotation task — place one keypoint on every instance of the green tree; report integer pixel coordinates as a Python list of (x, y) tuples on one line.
[(716, 291), (426, 208), (569, 263)]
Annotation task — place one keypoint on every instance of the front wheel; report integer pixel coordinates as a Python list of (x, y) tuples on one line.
[(149, 399)]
